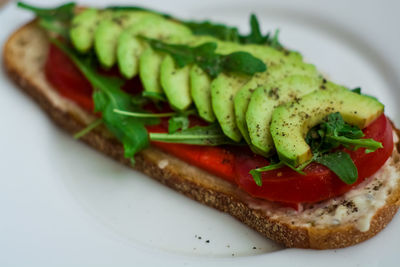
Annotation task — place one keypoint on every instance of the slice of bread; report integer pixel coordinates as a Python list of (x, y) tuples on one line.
[(336, 223)]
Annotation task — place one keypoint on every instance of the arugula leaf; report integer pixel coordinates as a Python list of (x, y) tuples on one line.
[(357, 90), (139, 100), (336, 132), (205, 57), (53, 19), (211, 135), (256, 173), (154, 95), (63, 12), (138, 8), (182, 54), (257, 176), (274, 41), (220, 31), (333, 133), (370, 144), (144, 114), (88, 128), (255, 36), (178, 123), (334, 125), (243, 62), (231, 34), (341, 164), (107, 97)]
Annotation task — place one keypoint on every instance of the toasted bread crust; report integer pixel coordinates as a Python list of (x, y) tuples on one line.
[(190, 181)]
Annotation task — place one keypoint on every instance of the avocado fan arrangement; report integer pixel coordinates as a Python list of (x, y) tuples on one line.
[(248, 88)]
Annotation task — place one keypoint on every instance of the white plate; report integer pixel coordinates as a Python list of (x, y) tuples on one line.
[(63, 204)]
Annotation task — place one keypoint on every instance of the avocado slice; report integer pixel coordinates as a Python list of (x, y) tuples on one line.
[(199, 81), (130, 47), (291, 122), (83, 26), (223, 90), (175, 83), (265, 99), (292, 64), (200, 86), (200, 90), (225, 87), (108, 31), (149, 70)]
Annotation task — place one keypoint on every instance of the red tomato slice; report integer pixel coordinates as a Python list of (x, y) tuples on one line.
[(319, 183), (61, 72), (216, 160)]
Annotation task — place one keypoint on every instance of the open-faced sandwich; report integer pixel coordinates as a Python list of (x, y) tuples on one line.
[(237, 122)]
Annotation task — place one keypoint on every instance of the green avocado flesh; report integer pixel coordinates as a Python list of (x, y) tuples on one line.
[(149, 70), (200, 85), (225, 87), (291, 122), (83, 28), (108, 31), (272, 110), (266, 98), (176, 84), (200, 90), (293, 65), (130, 46), (176, 81), (223, 91)]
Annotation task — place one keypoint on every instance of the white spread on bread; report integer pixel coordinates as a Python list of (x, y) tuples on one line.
[(356, 207)]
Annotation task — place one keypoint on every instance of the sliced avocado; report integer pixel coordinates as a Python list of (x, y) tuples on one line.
[(292, 121), (129, 50), (292, 65), (225, 87), (200, 90), (241, 102), (149, 70), (175, 83), (108, 31), (265, 99), (130, 47), (83, 28), (223, 91)]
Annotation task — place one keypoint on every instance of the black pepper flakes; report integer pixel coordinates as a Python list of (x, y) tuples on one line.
[(273, 93)]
